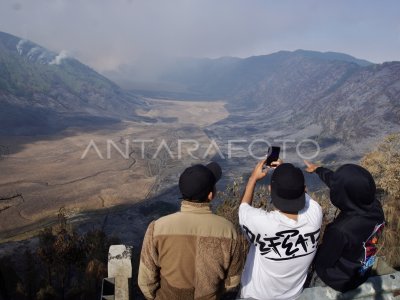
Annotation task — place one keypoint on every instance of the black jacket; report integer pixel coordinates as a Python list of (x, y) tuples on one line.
[(340, 257)]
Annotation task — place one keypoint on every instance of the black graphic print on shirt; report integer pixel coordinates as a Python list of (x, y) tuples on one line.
[(286, 244)]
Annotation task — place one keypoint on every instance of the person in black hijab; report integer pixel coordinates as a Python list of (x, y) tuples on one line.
[(348, 250)]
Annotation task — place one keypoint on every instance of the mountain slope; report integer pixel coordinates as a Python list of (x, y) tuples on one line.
[(335, 99), (48, 88), (244, 80), (367, 104)]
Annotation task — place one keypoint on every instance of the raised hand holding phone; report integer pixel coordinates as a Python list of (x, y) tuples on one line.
[(272, 155), (272, 160)]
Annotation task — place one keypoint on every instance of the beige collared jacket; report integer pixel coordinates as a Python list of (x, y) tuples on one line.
[(191, 254)]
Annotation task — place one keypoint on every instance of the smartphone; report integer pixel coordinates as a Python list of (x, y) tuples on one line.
[(273, 155)]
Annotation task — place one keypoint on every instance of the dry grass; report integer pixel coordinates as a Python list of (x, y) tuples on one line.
[(231, 197), (390, 250), (329, 212), (384, 165)]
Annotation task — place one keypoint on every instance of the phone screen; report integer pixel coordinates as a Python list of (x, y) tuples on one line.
[(273, 155)]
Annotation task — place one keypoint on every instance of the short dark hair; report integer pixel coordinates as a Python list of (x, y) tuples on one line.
[(202, 197)]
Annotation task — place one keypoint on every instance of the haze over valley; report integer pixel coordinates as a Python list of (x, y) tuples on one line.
[(72, 138)]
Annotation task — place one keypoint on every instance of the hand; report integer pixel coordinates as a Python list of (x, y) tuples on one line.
[(310, 166), (276, 163), (259, 172)]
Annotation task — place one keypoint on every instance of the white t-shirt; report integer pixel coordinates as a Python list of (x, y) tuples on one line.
[(282, 250)]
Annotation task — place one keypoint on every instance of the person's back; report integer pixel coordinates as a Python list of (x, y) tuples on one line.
[(192, 254), (283, 242), (281, 252), (348, 250), (339, 262), (194, 257)]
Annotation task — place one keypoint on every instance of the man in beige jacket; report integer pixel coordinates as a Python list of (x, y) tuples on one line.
[(191, 254)]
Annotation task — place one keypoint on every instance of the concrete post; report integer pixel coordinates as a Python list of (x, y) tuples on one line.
[(120, 268)]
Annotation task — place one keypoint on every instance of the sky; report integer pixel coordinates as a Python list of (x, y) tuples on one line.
[(106, 34)]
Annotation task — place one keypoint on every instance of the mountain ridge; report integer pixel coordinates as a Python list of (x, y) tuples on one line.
[(204, 75), (47, 88), (344, 107), (333, 98)]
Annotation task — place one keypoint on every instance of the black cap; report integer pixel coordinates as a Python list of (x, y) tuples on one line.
[(287, 188), (197, 181)]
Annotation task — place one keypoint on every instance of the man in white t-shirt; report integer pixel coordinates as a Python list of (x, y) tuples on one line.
[(283, 241)]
